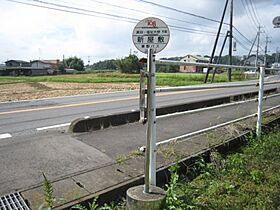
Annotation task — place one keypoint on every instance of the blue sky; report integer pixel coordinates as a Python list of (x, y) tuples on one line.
[(28, 32)]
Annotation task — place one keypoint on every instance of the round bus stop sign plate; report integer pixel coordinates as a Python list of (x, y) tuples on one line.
[(276, 22), (151, 33)]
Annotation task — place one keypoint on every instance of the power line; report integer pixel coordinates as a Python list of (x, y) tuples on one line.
[(105, 15), (84, 10), (195, 30), (177, 10), (198, 16), (104, 3), (250, 9), (68, 11), (135, 10), (240, 8), (249, 41), (241, 44), (254, 19), (144, 12), (254, 11), (247, 11)]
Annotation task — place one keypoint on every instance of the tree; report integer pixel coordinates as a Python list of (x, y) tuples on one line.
[(106, 64), (74, 63), (225, 59), (61, 67), (129, 64)]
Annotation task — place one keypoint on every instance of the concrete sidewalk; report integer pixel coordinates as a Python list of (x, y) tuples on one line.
[(81, 166)]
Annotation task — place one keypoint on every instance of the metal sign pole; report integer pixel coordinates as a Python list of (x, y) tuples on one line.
[(150, 164), (260, 102)]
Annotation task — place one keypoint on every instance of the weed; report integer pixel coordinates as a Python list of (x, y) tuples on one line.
[(233, 130), (217, 161), (136, 153), (212, 138), (168, 152), (121, 158), (94, 206), (48, 194), (172, 200), (257, 176)]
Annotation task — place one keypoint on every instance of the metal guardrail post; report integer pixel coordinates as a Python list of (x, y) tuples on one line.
[(142, 95), (150, 160), (260, 102)]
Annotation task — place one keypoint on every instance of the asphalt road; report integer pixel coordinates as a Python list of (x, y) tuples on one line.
[(29, 117)]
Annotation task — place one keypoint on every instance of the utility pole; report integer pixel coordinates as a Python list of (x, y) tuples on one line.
[(230, 40), (258, 45), (88, 60), (250, 50), (277, 55), (220, 55), (216, 41), (265, 50)]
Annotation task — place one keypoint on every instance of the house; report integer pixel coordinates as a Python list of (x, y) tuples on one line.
[(275, 65), (193, 59), (54, 63), (251, 60), (50, 66), (17, 63), (36, 67)]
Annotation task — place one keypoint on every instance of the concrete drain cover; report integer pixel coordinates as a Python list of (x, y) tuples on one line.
[(13, 201)]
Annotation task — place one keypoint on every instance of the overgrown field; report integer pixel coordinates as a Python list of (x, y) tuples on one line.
[(249, 179), (163, 79)]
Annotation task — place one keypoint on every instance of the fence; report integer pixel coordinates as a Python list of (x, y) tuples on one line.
[(151, 146)]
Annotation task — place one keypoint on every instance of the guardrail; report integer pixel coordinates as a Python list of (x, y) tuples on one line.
[(212, 86), (151, 146), (145, 74)]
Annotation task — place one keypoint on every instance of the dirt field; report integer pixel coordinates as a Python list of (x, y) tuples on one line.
[(35, 90)]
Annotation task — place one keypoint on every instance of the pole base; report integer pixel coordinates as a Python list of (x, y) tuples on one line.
[(137, 199)]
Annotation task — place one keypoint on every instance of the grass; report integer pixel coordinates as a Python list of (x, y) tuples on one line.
[(249, 179), (163, 79)]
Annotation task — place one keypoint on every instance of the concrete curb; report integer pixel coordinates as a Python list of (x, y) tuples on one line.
[(81, 125)]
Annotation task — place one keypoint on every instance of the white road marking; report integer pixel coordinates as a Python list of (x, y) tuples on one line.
[(53, 126), (86, 117), (5, 135)]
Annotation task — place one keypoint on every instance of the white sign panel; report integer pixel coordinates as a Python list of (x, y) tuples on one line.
[(151, 33)]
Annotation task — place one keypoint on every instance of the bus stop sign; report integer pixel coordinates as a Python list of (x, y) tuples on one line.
[(276, 22), (151, 33)]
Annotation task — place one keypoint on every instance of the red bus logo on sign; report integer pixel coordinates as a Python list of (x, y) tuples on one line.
[(152, 23)]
